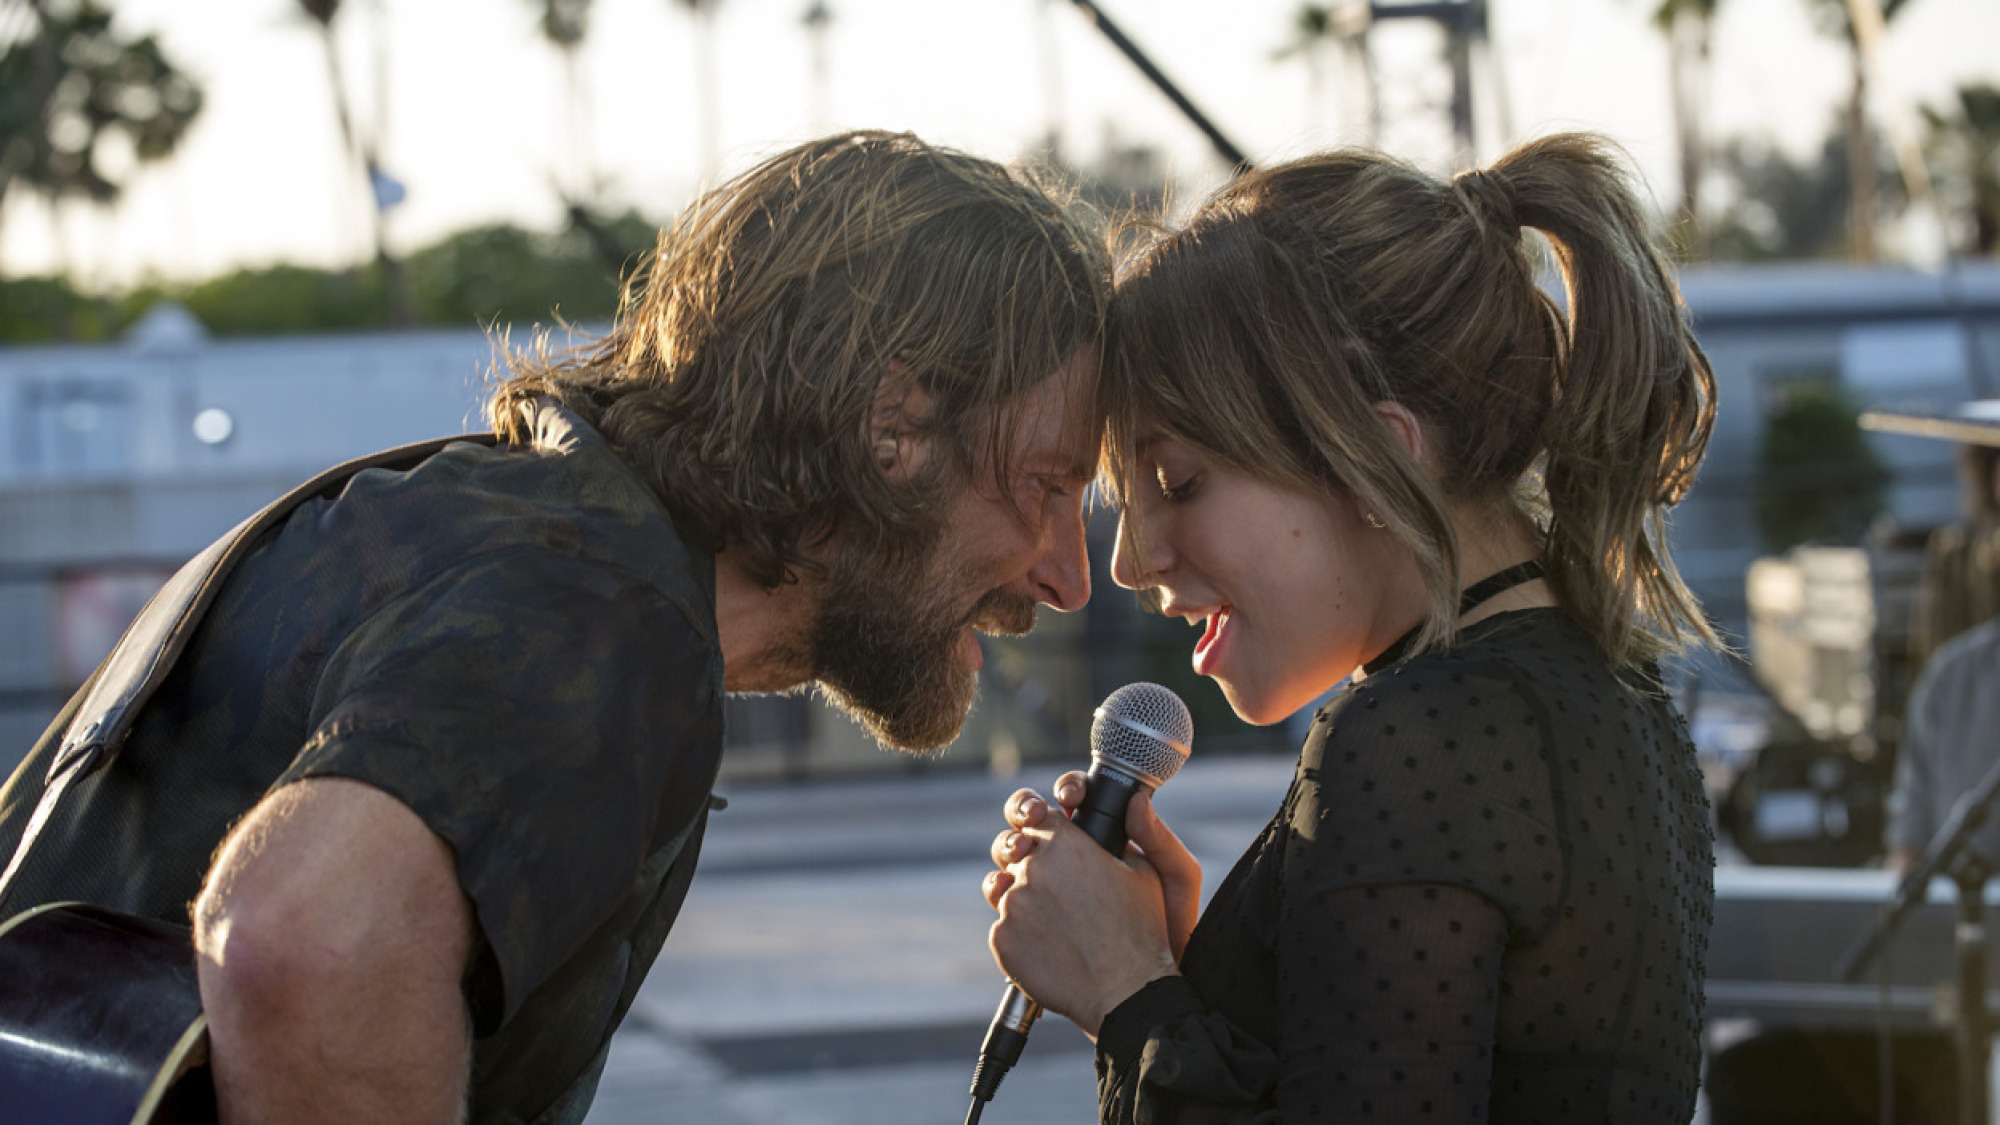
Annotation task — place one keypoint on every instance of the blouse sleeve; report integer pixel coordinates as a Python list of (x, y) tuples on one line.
[(1163, 1057), (1386, 1004), (1415, 851)]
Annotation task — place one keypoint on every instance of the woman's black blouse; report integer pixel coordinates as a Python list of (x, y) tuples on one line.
[(1487, 897)]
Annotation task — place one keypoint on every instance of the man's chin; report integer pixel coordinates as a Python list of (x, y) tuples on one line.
[(911, 725)]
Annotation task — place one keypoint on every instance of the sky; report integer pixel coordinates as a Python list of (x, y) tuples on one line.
[(476, 123)]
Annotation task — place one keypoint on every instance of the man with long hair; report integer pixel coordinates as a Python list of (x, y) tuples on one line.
[(434, 770)]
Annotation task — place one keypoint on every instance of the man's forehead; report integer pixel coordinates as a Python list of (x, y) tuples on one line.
[(1061, 426)]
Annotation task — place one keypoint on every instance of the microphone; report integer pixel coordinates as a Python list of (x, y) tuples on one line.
[(1139, 737)]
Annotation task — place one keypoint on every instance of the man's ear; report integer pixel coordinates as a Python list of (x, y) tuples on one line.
[(899, 424), (1404, 426)]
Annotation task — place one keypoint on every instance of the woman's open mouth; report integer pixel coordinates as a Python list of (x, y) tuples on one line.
[(1208, 650)]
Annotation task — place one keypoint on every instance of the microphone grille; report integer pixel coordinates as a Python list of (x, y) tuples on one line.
[(1144, 729)]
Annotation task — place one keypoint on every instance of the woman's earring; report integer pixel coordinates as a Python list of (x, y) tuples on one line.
[(1374, 521), (885, 453)]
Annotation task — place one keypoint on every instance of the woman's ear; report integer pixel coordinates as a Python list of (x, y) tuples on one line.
[(899, 424), (1405, 426)]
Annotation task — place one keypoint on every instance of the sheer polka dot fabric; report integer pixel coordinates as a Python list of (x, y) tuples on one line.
[(1487, 896)]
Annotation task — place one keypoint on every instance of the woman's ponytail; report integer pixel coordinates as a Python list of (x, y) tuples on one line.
[(1633, 404)]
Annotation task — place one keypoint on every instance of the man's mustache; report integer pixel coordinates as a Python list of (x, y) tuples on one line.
[(1004, 613)]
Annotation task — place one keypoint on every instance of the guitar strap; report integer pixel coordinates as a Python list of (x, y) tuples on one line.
[(154, 641)]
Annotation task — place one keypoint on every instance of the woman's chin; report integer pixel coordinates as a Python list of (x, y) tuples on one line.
[(1249, 706), (1263, 707)]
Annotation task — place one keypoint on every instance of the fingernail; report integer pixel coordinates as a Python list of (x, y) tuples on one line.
[(1013, 841), (1031, 808)]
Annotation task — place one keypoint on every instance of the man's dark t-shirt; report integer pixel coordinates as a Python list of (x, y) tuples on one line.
[(513, 642)]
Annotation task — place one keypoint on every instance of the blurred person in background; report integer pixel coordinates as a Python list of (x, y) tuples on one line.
[(1351, 437), (1961, 580), (434, 770), (1947, 744)]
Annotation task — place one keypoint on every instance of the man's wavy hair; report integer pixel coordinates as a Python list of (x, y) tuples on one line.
[(742, 371)]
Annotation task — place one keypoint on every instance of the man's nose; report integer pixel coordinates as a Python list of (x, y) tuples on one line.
[(1062, 574)]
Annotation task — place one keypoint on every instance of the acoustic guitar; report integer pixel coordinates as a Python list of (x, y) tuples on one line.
[(100, 1021)]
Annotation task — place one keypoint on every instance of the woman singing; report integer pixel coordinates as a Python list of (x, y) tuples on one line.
[(1352, 439)]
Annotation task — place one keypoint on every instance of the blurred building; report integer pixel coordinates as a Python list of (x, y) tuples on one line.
[(1876, 337)]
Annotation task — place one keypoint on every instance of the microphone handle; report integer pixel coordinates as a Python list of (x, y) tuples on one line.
[(1107, 791)]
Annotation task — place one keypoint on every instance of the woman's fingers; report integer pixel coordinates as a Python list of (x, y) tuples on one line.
[(1079, 930), (995, 887), (1069, 791), (1178, 870), (1011, 845), (1025, 809), (1163, 849)]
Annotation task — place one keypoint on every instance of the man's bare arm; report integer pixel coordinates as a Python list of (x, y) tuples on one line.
[(331, 939)]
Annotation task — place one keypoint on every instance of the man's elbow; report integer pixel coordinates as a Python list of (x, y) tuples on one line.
[(261, 964)]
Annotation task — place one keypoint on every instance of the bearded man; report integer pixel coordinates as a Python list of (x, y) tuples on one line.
[(433, 770)]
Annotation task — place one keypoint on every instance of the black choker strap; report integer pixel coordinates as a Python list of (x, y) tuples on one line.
[(1494, 585), (1480, 592)]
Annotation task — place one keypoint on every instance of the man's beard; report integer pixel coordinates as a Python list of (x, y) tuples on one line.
[(884, 642)]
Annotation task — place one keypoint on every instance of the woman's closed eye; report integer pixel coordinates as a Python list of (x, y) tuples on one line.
[(1174, 492)]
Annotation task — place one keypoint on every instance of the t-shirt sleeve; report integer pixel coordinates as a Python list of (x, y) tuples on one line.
[(547, 718)]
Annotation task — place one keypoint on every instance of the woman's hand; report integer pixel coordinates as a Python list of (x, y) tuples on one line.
[(1079, 930)]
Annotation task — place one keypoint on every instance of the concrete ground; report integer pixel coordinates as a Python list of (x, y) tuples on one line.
[(830, 966)]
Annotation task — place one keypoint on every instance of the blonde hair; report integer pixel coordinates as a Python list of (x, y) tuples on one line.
[(1265, 331), (742, 372)]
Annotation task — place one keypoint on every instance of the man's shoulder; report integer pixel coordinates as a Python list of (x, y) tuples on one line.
[(1975, 647), (578, 503), (1973, 652)]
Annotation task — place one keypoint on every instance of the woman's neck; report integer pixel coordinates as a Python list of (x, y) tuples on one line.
[(1490, 542)]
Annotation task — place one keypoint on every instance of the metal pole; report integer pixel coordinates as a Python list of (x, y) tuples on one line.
[(1228, 151), (1975, 1043)]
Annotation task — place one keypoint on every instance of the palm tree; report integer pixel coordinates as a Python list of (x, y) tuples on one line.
[(1834, 19), (1054, 101), (381, 191), (1688, 25), (1965, 143), (563, 25), (817, 20), (702, 12), (1315, 29), (1310, 37), (67, 80)]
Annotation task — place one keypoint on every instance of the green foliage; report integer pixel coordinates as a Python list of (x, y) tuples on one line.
[(1963, 142), (491, 274), (1778, 209), (1819, 481), (504, 273), (280, 299), (38, 310), (564, 22), (1832, 18), (72, 82)]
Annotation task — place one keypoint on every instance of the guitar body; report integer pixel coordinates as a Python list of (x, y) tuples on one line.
[(100, 1021)]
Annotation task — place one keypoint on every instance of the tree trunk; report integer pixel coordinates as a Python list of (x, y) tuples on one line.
[(1861, 166)]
